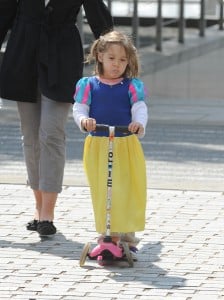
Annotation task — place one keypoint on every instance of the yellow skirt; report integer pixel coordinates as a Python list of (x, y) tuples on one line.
[(128, 182)]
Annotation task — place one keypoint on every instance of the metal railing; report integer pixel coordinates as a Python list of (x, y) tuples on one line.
[(221, 15), (161, 22)]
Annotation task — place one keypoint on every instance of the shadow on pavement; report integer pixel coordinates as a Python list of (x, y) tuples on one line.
[(59, 245), (145, 270)]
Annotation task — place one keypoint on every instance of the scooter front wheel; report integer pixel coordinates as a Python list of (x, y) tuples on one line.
[(84, 254)]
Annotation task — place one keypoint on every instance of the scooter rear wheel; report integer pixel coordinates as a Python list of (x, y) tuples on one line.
[(84, 254), (128, 254)]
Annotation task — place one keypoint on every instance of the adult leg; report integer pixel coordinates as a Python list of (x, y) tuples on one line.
[(52, 153), (30, 121)]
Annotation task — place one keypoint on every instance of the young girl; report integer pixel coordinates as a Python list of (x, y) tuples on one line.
[(114, 96)]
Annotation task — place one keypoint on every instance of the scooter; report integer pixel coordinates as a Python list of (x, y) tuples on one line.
[(107, 252)]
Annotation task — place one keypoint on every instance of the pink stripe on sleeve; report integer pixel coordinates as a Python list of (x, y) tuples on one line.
[(86, 94), (133, 92)]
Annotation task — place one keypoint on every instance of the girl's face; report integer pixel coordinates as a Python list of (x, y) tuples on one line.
[(114, 61)]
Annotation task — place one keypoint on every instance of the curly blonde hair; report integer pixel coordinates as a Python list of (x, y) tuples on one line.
[(102, 44)]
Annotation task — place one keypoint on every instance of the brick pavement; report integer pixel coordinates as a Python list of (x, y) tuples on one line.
[(180, 254)]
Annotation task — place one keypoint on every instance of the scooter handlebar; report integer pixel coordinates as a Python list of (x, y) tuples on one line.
[(122, 129)]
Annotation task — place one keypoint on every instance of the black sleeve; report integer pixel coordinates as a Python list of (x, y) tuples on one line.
[(98, 16), (7, 15)]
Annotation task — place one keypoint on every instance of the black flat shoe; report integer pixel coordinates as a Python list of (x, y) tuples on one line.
[(32, 225), (46, 228)]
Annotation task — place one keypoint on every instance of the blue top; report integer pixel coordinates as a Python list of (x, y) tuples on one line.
[(109, 104)]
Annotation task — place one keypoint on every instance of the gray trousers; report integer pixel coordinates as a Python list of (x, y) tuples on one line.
[(43, 134)]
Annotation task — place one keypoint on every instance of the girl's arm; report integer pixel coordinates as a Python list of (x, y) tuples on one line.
[(7, 15), (82, 119), (139, 112), (80, 112)]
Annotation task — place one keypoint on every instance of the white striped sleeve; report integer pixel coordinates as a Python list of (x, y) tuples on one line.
[(80, 111), (139, 112)]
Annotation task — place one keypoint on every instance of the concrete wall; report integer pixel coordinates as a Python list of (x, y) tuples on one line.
[(197, 78)]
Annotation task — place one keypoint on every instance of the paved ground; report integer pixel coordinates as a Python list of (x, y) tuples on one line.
[(181, 250), (180, 255)]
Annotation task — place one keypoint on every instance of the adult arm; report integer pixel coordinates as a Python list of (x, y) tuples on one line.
[(98, 16), (7, 15)]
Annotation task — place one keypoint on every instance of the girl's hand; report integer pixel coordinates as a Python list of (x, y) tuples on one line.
[(89, 124), (136, 127)]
